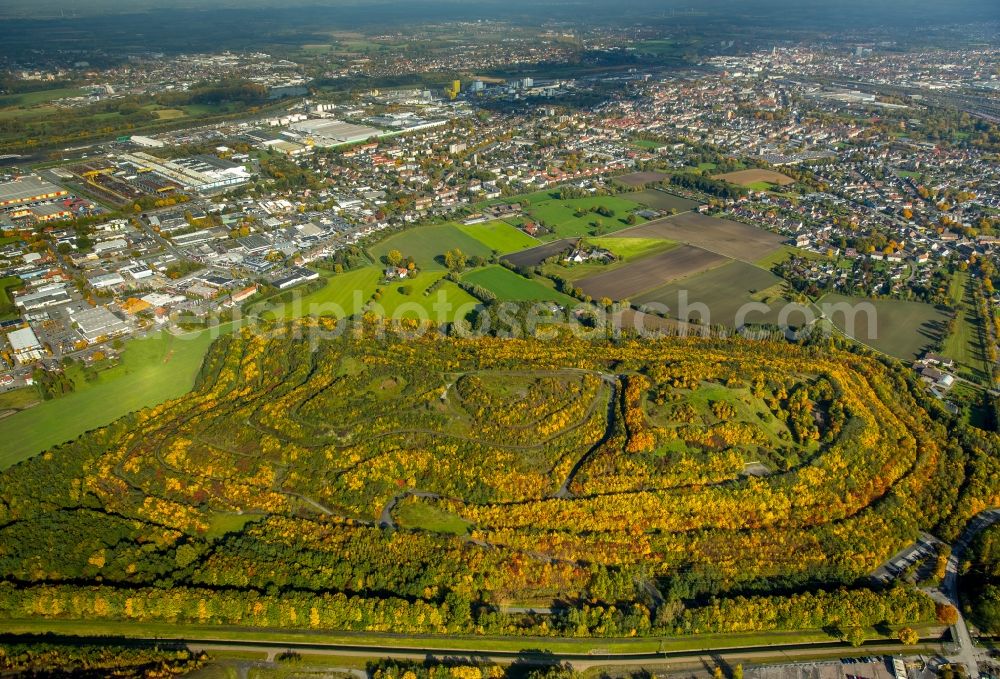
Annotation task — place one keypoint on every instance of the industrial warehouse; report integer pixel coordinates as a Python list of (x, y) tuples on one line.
[(328, 132), (203, 174), (123, 178), (28, 190), (25, 345)]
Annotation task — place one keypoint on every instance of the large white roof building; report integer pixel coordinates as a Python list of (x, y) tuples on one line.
[(25, 345)]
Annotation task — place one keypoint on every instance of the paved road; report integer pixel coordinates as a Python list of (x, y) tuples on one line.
[(579, 661), (968, 654)]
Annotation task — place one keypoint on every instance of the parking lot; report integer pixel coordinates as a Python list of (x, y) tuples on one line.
[(867, 667), (924, 549)]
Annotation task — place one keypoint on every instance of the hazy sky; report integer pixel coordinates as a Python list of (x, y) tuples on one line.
[(989, 9), (832, 15)]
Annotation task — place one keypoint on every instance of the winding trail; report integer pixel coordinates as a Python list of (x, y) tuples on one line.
[(612, 405)]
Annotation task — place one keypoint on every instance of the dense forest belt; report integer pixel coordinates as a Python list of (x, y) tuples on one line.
[(376, 482), (54, 134), (564, 491)]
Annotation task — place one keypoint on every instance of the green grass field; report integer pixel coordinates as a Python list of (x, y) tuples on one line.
[(783, 253), (560, 215), (8, 284), (34, 112), (346, 294), (630, 249), (169, 113), (901, 328), (18, 399), (509, 286), (661, 47), (499, 236), (443, 304), (661, 200), (92, 628), (152, 370), (647, 144), (34, 98), (576, 272), (430, 518), (426, 243), (203, 109), (343, 295), (964, 345)]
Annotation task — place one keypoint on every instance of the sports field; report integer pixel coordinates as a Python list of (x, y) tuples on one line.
[(896, 327), (509, 286), (723, 292), (728, 238), (661, 200), (751, 177), (649, 273), (427, 243), (499, 236), (152, 370)]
